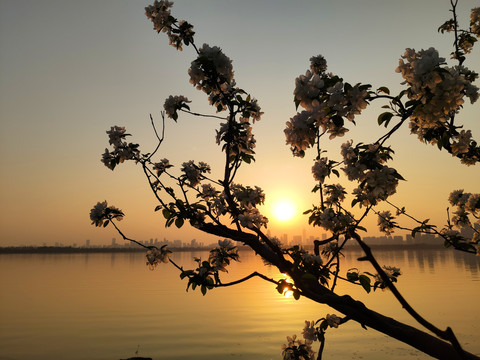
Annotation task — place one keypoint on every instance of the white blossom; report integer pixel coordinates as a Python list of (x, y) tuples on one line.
[(439, 91), (156, 256), (473, 203), (385, 222), (462, 142), (115, 135), (211, 61), (458, 198), (193, 173), (309, 332), (101, 212), (108, 159), (248, 196), (161, 166), (331, 220), (307, 88), (320, 169), (97, 214), (292, 342), (460, 218), (391, 271), (311, 259), (333, 320), (251, 218), (159, 14), (334, 194), (318, 64), (174, 103), (208, 192), (475, 21), (300, 132)]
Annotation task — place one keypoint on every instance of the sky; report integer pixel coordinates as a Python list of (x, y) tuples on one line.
[(69, 70)]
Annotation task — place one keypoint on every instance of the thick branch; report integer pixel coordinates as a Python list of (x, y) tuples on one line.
[(353, 309)]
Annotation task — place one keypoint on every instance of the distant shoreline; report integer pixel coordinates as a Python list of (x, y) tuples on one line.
[(94, 250)]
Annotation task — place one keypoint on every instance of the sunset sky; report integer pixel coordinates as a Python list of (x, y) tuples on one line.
[(71, 69)]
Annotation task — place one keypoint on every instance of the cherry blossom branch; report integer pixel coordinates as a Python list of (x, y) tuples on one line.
[(431, 229), (126, 238), (160, 139), (458, 55), (443, 334), (255, 273), (203, 115), (140, 244)]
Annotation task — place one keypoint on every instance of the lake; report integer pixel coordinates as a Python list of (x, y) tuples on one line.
[(108, 306)]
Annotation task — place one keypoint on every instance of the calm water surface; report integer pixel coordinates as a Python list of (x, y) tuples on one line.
[(106, 306)]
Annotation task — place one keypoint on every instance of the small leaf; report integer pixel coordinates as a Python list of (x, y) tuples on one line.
[(384, 117), (352, 276), (166, 213), (365, 282), (384, 89)]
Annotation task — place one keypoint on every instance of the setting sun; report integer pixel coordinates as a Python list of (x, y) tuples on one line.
[(284, 210)]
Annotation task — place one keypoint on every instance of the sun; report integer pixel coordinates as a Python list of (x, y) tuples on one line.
[(284, 210)]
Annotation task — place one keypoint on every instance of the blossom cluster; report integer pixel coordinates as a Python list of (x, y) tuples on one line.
[(297, 349), (101, 213), (121, 149), (320, 169), (334, 194), (156, 256), (220, 257), (252, 218), (475, 21), (391, 272), (173, 104), (385, 222), (327, 101), (193, 173), (332, 320), (330, 219), (311, 259), (248, 196), (246, 199), (302, 349), (466, 204), (365, 164), (161, 166), (239, 137), (309, 331), (160, 15), (212, 71), (216, 199), (439, 93)]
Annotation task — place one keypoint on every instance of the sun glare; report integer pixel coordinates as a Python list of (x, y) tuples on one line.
[(284, 210)]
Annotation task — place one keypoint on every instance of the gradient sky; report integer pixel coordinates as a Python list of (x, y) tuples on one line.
[(71, 69)]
